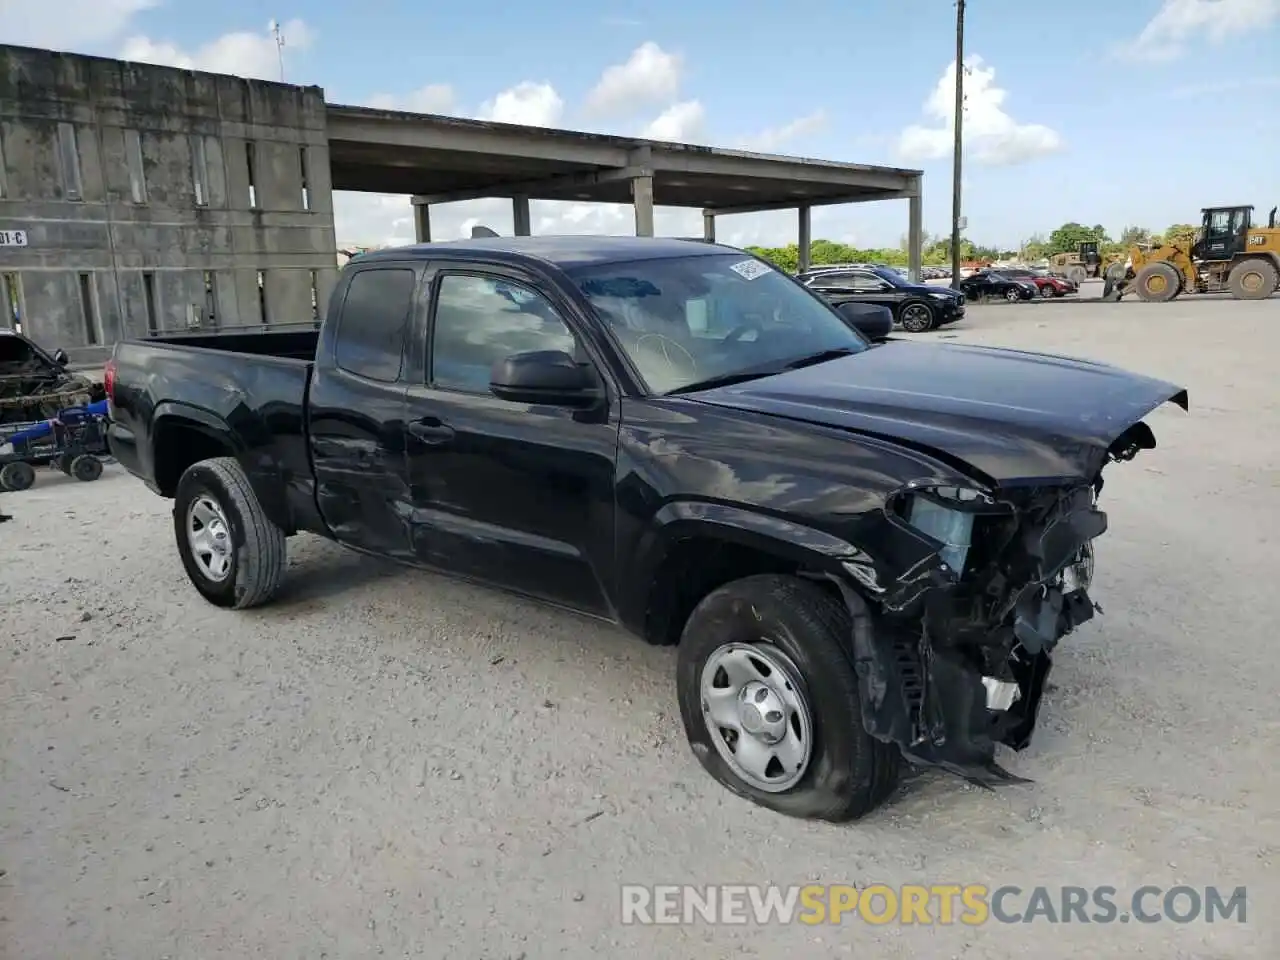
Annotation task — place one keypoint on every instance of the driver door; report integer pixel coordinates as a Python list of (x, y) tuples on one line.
[(519, 495)]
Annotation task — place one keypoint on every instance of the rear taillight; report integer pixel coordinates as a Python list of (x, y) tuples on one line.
[(109, 380)]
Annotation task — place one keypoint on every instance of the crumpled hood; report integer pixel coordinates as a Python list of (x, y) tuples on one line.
[(1017, 417)]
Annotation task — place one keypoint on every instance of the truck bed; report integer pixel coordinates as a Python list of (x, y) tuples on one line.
[(287, 343)]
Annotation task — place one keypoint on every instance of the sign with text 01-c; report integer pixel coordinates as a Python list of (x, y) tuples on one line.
[(13, 238)]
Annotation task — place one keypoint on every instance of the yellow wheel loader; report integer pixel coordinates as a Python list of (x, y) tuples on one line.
[(1229, 255)]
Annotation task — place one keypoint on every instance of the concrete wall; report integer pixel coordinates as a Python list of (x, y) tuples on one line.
[(174, 241)]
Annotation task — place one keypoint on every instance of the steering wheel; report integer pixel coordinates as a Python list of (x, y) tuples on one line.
[(734, 335), (664, 351)]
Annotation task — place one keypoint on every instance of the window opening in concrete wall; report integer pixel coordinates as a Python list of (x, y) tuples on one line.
[(4, 174), (306, 179), (149, 292), (200, 171), (262, 296), (251, 164), (315, 297), (211, 298), (133, 158), (11, 301), (88, 307), (69, 162)]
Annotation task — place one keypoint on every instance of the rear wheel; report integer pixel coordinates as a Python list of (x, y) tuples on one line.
[(1047, 291), (1253, 279), (1157, 282), (232, 551), (917, 317), (770, 700), (17, 476)]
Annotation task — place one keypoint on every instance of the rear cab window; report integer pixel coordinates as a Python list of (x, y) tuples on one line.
[(373, 321)]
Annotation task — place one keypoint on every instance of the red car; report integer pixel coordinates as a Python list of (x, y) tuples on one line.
[(1047, 286)]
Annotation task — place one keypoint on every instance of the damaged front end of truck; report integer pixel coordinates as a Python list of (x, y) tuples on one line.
[(972, 586)]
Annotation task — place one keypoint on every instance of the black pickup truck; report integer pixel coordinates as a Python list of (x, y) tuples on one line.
[(865, 552)]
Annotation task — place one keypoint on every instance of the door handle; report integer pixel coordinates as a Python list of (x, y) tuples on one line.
[(431, 432)]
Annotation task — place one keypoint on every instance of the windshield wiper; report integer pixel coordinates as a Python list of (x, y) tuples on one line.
[(822, 356), (724, 380)]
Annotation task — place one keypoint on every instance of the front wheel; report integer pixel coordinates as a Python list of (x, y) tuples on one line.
[(770, 701), (917, 318), (232, 551), (16, 476), (1047, 292), (1012, 295)]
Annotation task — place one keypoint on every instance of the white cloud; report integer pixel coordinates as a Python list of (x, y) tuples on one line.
[(529, 103), (991, 134), (649, 76), (776, 137), (679, 122), (437, 98), (242, 53), (1178, 21), (68, 24)]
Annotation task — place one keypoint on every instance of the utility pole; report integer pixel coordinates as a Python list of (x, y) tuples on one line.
[(274, 27), (959, 141)]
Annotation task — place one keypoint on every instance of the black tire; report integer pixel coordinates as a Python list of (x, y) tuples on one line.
[(1013, 295), (64, 463), (17, 476), (916, 316), (1253, 279), (1047, 292), (86, 467), (1157, 282), (257, 546), (1077, 274), (850, 772)]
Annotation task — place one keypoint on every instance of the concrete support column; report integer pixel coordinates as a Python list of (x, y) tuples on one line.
[(915, 234), (804, 240), (709, 227), (642, 200), (421, 220), (520, 214)]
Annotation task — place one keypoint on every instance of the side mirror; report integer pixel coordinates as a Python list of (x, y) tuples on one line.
[(543, 376), (60, 357)]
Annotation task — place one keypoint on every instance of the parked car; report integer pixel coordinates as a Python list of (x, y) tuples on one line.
[(864, 552), (1047, 286), (917, 306), (992, 283)]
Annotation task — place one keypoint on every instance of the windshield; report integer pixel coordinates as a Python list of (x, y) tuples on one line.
[(689, 321), (891, 275)]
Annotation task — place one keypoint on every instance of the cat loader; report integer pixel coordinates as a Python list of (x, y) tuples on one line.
[(1229, 255)]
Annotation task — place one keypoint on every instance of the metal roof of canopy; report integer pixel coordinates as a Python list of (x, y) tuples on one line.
[(444, 159)]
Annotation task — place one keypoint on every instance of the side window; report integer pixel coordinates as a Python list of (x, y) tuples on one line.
[(371, 327), (1220, 221), (479, 320), (865, 282)]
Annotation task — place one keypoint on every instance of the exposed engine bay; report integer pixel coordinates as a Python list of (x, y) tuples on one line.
[(33, 386), (962, 644)]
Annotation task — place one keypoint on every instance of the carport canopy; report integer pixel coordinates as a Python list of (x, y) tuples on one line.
[(439, 159)]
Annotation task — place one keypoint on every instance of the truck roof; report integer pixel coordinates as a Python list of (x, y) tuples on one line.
[(563, 252)]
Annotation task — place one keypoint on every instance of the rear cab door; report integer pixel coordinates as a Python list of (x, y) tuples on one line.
[(355, 407), (516, 494)]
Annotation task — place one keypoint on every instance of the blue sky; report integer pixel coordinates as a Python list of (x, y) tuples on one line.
[(1114, 113)]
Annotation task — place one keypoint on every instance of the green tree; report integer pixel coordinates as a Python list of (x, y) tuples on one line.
[(1068, 237), (1182, 234), (1131, 235)]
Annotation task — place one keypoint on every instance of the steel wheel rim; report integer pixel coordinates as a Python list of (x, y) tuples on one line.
[(1046, 291), (916, 318), (1012, 295), (757, 714), (209, 537), (1251, 281)]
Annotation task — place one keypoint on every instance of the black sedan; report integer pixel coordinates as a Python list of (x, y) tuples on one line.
[(993, 283), (917, 306)]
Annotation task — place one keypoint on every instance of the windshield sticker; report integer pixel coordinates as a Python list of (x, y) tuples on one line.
[(749, 269)]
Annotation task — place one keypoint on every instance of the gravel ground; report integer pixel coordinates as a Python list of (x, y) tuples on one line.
[(389, 763)]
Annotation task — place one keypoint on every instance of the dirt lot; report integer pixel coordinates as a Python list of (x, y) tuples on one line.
[(389, 763)]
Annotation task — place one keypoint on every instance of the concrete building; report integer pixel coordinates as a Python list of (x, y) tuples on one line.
[(138, 199)]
